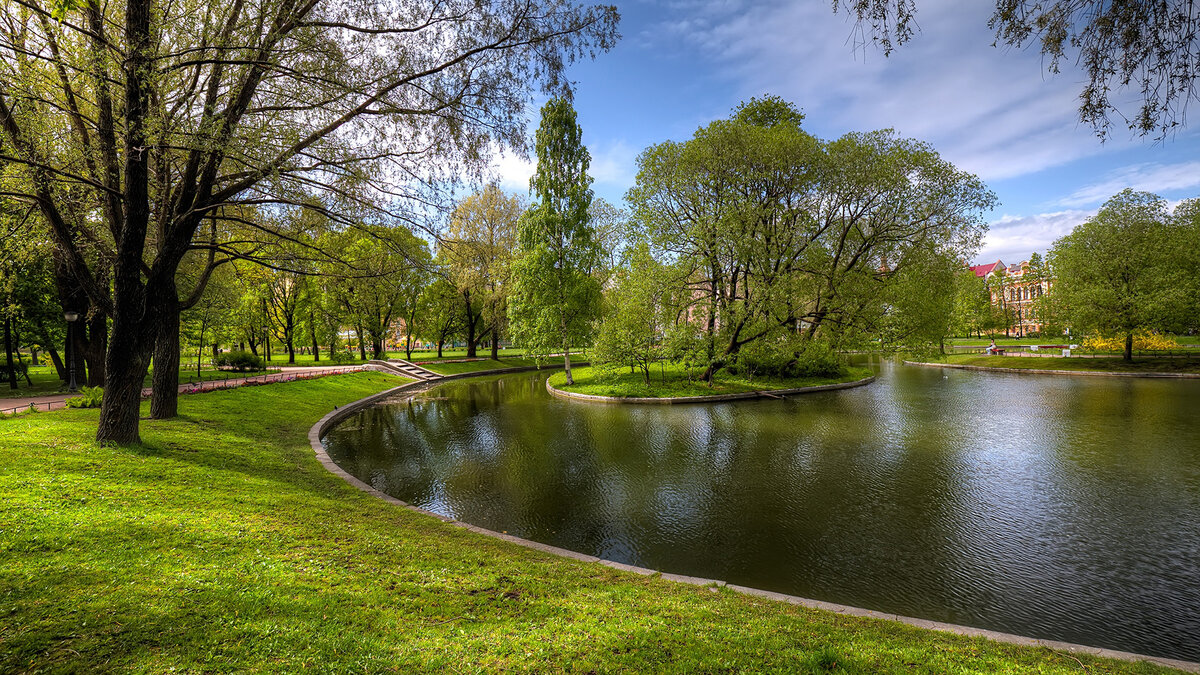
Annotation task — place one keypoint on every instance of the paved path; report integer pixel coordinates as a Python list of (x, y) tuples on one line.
[(285, 374)]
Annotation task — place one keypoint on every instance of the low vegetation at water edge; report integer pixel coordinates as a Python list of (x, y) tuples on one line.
[(672, 380)]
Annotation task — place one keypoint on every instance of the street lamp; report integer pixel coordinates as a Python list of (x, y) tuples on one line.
[(71, 318)]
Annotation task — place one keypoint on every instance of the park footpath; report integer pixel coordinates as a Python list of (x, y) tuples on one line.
[(286, 374)]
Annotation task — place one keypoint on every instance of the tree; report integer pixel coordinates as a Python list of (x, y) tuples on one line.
[(133, 123), (633, 326), (478, 251), (1150, 45), (441, 310), (972, 312), (555, 297), (1115, 271), (387, 270), (780, 232)]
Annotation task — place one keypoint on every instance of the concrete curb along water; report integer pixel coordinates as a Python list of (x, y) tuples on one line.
[(319, 429), (715, 398), (1039, 371)]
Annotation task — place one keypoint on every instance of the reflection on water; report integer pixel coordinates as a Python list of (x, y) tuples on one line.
[(1058, 507)]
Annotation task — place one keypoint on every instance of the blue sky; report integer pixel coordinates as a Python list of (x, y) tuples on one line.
[(995, 112)]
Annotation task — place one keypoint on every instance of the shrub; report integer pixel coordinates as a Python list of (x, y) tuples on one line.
[(340, 357), (89, 397), (239, 360), (1143, 341), (818, 360)]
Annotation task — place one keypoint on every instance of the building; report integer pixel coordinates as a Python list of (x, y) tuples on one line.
[(1015, 290)]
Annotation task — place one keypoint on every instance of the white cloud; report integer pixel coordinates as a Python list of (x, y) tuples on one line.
[(513, 171), (613, 166), (1156, 178), (990, 111), (1013, 238)]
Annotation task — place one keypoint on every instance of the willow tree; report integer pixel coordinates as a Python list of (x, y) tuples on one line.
[(135, 122), (555, 296)]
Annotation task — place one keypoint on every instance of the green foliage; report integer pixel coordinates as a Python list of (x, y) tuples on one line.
[(240, 361), (631, 333), (340, 356), (555, 297), (222, 544), (1118, 271), (775, 230), (89, 397)]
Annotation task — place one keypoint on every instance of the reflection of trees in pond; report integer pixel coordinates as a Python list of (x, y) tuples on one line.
[(1026, 504)]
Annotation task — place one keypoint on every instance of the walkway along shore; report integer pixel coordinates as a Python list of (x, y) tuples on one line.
[(1042, 371), (318, 431), (286, 374)]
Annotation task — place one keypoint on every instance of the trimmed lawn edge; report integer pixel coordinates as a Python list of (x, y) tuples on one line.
[(1042, 371), (318, 430), (713, 398)]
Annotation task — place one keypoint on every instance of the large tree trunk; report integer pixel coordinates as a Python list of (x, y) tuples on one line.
[(48, 345), (567, 361), (11, 369), (377, 348), (312, 332), (495, 345), (1129, 346), (440, 343), (95, 347), (362, 345), (164, 399)]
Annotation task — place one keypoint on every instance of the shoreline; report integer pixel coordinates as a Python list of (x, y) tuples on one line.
[(318, 431), (714, 398), (1046, 371)]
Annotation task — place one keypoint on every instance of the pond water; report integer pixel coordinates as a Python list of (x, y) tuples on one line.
[(1062, 508)]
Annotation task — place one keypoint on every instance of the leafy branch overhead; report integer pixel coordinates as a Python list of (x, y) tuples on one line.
[(1149, 48)]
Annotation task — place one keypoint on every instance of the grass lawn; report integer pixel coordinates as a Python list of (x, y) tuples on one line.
[(1142, 365), (221, 545), (632, 385), (489, 364)]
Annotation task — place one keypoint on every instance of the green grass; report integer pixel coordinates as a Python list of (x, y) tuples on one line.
[(624, 384), (222, 545), (1107, 365), (488, 364)]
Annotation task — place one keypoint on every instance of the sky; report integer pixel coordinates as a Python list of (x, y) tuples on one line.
[(993, 111)]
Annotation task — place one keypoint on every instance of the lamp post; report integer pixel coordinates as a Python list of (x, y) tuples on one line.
[(71, 318)]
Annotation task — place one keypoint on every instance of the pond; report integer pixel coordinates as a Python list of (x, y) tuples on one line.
[(1063, 508)]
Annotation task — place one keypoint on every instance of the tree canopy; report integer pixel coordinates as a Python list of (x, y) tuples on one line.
[(132, 124)]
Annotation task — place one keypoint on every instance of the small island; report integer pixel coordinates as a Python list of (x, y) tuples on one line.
[(670, 383)]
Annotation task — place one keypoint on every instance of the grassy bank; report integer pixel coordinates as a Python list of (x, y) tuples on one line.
[(445, 368), (1104, 365), (221, 545), (671, 380)]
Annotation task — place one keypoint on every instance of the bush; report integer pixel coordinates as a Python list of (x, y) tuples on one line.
[(788, 358), (239, 361), (89, 397), (818, 360), (1143, 341), (341, 357)]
